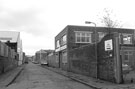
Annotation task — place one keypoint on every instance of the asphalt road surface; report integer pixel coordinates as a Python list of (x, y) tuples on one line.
[(35, 77)]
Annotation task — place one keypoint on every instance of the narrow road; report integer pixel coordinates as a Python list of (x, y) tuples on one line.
[(36, 77)]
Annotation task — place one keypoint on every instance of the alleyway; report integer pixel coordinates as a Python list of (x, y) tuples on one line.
[(35, 77)]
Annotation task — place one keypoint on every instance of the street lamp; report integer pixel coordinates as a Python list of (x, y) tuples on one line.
[(88, 22)]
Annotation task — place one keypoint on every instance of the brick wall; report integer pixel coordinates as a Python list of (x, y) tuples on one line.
[(106, 64), (7, 64), (7, 58), (53, 60), (83, 60)]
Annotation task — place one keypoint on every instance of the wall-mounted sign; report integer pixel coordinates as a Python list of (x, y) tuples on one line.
[(61, 48), (108, 45)]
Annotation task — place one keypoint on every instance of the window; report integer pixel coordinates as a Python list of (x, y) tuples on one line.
[(57, 44), (127, 38), (128, 55), (64, 40), (78, 37), (82, 37)]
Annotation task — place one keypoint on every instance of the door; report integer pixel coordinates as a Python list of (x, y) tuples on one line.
[(60, 59)]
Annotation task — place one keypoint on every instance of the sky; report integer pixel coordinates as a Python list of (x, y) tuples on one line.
[(39, 21)]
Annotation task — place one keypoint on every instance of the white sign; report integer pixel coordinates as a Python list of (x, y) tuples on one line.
[(61, 48), (108, 45)]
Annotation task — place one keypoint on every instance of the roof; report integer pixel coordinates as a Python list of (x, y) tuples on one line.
[(11, 36), (41, 51), (92, 28), (121, 30), (44, 51)]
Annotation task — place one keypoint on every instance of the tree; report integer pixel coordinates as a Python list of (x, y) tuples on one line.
[(108, 19)]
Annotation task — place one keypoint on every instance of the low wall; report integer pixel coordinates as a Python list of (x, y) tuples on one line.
[(52, 61), (7, 64)]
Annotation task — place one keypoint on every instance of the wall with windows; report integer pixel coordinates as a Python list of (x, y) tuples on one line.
[(127, 54), (83, 35), (79, 36), (61, 38), (61, 43), (72, 37), (126, 38), (60, 49)]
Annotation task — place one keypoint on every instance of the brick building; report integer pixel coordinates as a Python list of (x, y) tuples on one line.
[(78, 43)]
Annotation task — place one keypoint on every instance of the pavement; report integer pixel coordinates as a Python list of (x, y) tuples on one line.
[(92, 82), (8, 77)]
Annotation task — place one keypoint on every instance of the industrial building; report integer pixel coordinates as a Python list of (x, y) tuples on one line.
[(79, 48), (13, 40)]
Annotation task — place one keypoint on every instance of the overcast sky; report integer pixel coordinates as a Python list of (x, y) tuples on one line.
[(39, 21)]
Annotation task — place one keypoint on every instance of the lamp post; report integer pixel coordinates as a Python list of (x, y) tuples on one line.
[(88, 22)]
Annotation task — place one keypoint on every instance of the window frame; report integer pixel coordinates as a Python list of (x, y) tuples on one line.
[(64, 39), (83, 35), (57, 43), (126, 37), (127, 53)]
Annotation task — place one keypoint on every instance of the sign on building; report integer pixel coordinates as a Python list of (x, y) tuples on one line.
[(108, 45)]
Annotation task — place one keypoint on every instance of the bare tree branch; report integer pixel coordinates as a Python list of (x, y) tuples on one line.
[(108, 21)]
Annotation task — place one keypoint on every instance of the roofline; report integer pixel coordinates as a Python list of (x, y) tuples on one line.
[(17, 35), (68, 26), (62, 30), (97, 27)]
